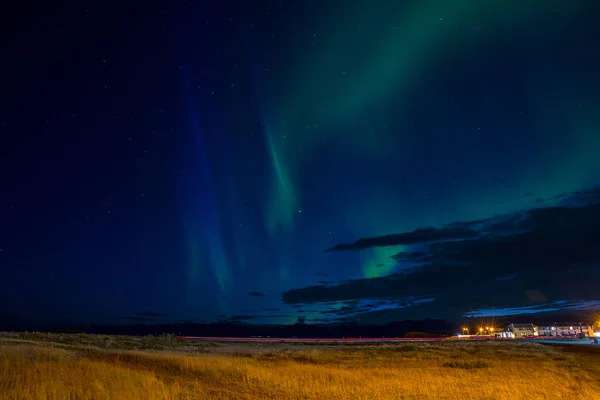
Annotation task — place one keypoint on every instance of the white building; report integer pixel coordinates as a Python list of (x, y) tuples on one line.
[(522, 330), (505, 334), (570, 330)]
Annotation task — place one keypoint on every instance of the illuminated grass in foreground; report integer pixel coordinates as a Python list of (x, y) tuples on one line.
[(58, 367)]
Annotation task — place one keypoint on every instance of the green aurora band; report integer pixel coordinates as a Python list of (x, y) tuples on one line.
[(363, 54)]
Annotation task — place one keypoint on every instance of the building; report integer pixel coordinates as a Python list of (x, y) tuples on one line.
[(567, 329), (522, 330), (505, 334)]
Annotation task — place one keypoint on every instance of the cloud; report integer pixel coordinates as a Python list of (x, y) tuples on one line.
[(138, 319), (253, 317), (237, 318), (506, 277), (415, 237), (256, 294), (560, 305), (150, 314), (529, 258)]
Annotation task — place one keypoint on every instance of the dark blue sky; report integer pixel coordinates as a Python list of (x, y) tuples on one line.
[(165, 162)]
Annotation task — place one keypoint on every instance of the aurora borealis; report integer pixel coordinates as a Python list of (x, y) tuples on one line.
[(259, 135)]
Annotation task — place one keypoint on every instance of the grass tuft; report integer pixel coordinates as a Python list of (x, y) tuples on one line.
[(471, 364), (406, 347)]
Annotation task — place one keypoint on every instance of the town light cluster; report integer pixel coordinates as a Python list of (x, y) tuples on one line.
[(530, 330)]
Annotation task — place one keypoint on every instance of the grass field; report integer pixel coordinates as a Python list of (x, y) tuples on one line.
[(53, 366)]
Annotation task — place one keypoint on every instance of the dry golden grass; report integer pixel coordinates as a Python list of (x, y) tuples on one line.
[(33, 369)]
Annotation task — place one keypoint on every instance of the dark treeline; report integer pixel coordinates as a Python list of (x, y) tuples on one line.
[(232, 329), (236, 329), (300, 330)]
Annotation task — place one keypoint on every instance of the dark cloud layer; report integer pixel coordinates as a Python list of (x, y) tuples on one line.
[(414, 237), (524, 259), (137, 319), (150, 314), (250, 317)]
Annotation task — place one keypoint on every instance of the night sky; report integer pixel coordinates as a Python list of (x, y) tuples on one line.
[(258, 161)]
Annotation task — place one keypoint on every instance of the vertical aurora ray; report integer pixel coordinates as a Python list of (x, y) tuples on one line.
[(283, 201), (202, 212), (283, 195), (233, 220), (206, 223)]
